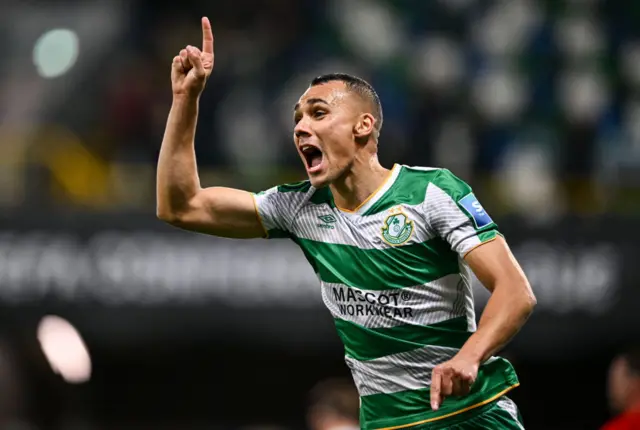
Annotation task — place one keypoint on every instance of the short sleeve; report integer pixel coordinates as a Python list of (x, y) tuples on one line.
[(277, 207), (454, 213)]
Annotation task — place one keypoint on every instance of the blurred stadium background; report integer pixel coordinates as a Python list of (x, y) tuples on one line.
[(535, 103)]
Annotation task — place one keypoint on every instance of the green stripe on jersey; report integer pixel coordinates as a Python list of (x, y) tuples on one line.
[(296, 187), (486, 236), (323, 195), (381, 269), (364, 343), (409, 188), (457, 189), (276, 233), (407, 407)]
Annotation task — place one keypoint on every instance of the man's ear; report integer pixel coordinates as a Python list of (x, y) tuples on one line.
[(365, 126)]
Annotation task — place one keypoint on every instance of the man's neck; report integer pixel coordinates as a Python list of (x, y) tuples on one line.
[(362, 180)]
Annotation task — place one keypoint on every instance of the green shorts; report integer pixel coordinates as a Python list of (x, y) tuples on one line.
[(501, 414)]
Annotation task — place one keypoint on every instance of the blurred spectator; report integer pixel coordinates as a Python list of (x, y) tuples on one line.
[(529, 102), (624, 391), (334, 405), (12, 393)]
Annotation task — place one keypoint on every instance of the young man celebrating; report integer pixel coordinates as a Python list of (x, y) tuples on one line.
[(393, 249)]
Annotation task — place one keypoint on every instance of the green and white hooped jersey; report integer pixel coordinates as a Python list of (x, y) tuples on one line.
[(393, 277)]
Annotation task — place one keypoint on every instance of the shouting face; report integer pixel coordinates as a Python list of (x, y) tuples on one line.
[(331, 123)]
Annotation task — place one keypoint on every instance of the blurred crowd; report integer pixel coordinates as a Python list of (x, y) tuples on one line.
[(536, 103), (34, 398)]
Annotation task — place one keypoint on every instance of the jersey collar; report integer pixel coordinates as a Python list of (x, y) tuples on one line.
[(376, 195)]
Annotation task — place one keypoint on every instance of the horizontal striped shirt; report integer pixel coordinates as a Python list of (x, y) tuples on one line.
[(393, 276)]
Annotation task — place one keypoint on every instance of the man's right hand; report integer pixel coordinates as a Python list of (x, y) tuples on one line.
[(181, 201), (191, 69)]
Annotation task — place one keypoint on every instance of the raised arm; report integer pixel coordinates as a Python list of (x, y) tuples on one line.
[(181, 201)]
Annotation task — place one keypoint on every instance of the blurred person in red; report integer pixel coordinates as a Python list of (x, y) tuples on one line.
[(333, 405), (624, 391)]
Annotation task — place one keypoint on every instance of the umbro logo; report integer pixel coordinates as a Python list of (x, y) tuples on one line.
[(327, 221)]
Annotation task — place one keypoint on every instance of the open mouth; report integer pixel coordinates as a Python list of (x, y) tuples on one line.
[(313, 157)]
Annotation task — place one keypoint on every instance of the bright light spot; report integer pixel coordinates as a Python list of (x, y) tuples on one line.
[(579, 36), (631, 121), (454, 146), (630, 59), (583, 95), (64, 349), (500, 95), (371, 29), (240, 136), (506, 27), (529, 183), (439, 62), (55, 52)]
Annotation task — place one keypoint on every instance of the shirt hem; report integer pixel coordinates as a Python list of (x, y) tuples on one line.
[(419, 421)]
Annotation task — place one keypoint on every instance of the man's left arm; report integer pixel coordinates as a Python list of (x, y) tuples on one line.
[(453, 212), (509, 306)]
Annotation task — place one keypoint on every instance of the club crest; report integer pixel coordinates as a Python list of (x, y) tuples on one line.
[(397, 228)]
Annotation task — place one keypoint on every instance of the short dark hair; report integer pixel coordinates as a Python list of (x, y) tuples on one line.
[(336, 395), (359, 86), (631, 356)]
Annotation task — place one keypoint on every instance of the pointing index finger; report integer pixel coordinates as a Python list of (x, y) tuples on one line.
[(207, 36), (435, 389)]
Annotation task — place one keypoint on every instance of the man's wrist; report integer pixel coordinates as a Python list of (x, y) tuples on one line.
[(185, 98), (472, 352)]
